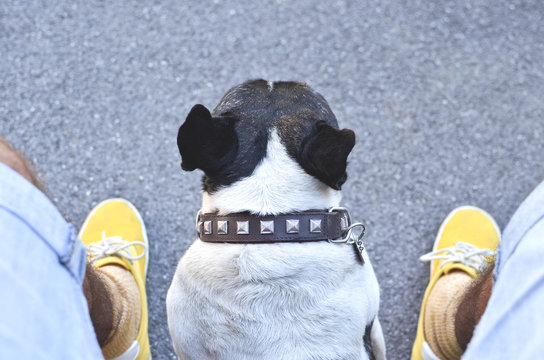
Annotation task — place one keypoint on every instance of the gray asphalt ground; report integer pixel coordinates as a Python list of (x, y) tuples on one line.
[(445, 97)]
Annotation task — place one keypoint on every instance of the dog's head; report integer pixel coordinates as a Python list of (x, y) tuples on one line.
[(267, 148)]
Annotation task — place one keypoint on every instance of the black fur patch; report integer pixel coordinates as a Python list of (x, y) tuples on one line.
[(206, 143), (247, 112), (367, 340), (324, 154)]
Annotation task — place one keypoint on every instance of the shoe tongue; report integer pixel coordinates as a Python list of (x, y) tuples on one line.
[(449, 267)]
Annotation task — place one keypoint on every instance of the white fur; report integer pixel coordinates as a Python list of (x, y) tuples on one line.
[(277, 185), (378, 342), (272, 301)]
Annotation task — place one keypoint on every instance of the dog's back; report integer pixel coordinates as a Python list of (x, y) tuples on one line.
[(271, 149)]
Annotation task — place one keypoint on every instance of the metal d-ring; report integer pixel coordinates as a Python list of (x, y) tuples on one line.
[(349, 233)]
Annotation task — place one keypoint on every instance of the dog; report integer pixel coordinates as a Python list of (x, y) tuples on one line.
[(270, 148)]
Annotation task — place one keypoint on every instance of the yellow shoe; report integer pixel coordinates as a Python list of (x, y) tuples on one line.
[(467, 240), (114, 233)]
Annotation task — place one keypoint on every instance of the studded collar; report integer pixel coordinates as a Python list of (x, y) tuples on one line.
[(333, 225), (293, 227)]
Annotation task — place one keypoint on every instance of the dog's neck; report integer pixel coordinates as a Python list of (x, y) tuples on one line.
[(278, 185)]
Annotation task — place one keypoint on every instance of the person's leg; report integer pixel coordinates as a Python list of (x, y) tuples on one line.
[(16, 161), (461, 268), (100, 304), (511, 326), (42, 264), (472, 306), (498, 314), (114, 292)]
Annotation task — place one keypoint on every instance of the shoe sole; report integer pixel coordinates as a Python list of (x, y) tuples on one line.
[(133, 208), (452, 214)]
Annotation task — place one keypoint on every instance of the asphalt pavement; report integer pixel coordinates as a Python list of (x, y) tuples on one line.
[(445, 97)]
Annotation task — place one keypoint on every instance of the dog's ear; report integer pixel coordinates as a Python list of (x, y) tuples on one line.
[(205, 142), (324, 153)]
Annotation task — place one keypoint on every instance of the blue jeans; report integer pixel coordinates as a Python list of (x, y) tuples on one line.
[(512, 326), (43, 311)]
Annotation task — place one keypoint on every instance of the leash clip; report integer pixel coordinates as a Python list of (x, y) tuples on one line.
[(349, 233)]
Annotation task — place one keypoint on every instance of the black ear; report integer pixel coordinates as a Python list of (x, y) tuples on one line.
[(206, 143), (325, 152)]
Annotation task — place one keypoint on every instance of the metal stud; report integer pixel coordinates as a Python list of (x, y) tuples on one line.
[(242, 227), (199, 227), (315, 225), (222, 227), (291, 226), (207, 227), (267, 226)]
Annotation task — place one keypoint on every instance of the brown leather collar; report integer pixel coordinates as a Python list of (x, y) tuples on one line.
[(294, 227)]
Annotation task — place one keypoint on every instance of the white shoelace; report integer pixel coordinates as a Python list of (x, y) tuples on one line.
[(113, 246), (461, 252)]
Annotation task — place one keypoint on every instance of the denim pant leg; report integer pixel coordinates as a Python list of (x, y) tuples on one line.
[(512, 326), (43, 311)]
